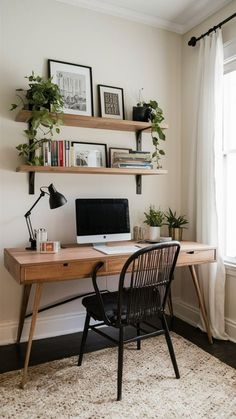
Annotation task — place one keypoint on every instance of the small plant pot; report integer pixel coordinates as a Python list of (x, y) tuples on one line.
[(141, 113), (176, 233), (154, 234)]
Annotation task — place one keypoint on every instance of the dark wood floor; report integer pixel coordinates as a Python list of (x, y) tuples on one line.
[(44, 350)]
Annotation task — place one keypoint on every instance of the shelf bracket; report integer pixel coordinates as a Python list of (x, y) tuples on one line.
[(139, 140), (138, 184), (139, 148), (31, 182)]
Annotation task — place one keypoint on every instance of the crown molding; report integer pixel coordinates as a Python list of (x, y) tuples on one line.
[(98, 6), (201, 15)]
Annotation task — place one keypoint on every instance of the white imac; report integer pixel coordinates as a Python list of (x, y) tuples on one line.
[(102, 220)]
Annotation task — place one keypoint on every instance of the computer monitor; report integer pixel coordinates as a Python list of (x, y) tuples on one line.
[(102, 220)]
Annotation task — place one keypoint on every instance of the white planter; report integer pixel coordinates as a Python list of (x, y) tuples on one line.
[(154, 233)]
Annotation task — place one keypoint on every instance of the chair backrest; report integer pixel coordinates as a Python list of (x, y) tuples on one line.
[(145, 280)]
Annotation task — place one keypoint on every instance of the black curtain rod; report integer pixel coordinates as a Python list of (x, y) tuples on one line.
[(192, 42)]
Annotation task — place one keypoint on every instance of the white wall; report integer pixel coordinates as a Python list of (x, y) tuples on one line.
[(186, 304), (121, 53)]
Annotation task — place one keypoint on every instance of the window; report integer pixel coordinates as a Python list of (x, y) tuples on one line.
[(229, 156)]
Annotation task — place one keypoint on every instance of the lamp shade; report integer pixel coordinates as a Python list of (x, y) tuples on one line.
[(56, 199)]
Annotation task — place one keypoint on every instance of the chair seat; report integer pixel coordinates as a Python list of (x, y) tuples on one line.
[(110, 300), (110, 304)]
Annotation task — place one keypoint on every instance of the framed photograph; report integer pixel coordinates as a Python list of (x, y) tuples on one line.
[(89, 154), (113, 150), (111, 102), (75, 83)]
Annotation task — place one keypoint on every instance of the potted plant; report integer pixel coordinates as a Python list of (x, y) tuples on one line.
[(41, 97), (150, 111), (154, 218), (176, 224)]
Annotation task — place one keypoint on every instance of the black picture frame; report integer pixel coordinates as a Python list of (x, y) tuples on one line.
[(76, 86), (81, 150), (114, 149), (111, 102)]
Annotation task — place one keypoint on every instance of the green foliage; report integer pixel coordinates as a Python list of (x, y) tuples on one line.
[(42, 97), (154, 218), (157, 133), (174, 221)]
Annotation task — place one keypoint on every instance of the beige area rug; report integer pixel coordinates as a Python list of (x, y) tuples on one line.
[(60, 389)]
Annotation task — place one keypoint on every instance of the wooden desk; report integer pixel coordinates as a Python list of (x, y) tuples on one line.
[(28, 267)]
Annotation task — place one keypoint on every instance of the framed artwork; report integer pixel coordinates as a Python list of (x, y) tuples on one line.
[(75, 84), (89, 154), (113, 150), (111, 102)]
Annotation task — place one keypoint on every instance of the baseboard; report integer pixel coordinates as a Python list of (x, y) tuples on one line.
[(190, 314), (230, 328), (49, 326), (46, 326), (186, 312)]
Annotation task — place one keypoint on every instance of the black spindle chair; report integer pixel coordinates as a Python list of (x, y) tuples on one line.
[(144, 286)]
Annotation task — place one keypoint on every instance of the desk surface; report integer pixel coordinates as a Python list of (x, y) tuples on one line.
[(77, 262)]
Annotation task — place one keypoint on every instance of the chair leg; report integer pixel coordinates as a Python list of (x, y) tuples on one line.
[(170, 346), (120, 363), (84, 337), (138, 334)]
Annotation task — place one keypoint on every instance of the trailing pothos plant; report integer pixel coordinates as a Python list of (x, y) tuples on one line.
[(42, 97), (155, 115)]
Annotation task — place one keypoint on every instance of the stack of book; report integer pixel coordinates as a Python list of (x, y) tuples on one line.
[(57, 153), (132, 160)]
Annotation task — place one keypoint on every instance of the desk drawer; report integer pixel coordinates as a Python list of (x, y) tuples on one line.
[(196, 257), (59, 271), (115, 265)]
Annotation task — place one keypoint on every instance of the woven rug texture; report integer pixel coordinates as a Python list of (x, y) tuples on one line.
[(60, 389)]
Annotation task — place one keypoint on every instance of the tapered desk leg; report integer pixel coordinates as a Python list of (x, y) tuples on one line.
[(201, 302), (37, 297), (24, 303)]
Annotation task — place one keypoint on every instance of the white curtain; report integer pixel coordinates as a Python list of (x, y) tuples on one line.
[(207, 168)]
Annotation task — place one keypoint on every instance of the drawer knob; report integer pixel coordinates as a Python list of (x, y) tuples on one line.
[(191, 252), (65, 264)]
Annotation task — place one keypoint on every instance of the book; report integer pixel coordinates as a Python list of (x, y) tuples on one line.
[(47, 153), (133, 165), (67, 153), (132, 156), (54, 153), (61, 153)]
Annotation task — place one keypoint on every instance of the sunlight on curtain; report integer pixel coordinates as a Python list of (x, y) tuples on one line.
[(230, 163), (208, 167)]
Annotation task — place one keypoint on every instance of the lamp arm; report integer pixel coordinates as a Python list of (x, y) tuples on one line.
[(28, 213), (32, 238), (30, 228)]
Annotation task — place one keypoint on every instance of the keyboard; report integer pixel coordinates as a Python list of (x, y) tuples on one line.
[(116, 250)]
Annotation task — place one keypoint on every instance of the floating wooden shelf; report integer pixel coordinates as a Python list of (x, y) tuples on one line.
[(93, 122), (90, 170)]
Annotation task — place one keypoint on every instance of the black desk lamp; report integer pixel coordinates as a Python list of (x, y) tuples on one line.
[(56, 200)]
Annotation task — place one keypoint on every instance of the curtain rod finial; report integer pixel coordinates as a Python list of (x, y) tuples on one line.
[(192, 41)]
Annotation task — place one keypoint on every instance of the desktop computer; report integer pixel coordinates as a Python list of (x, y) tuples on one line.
[(99, 221)]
